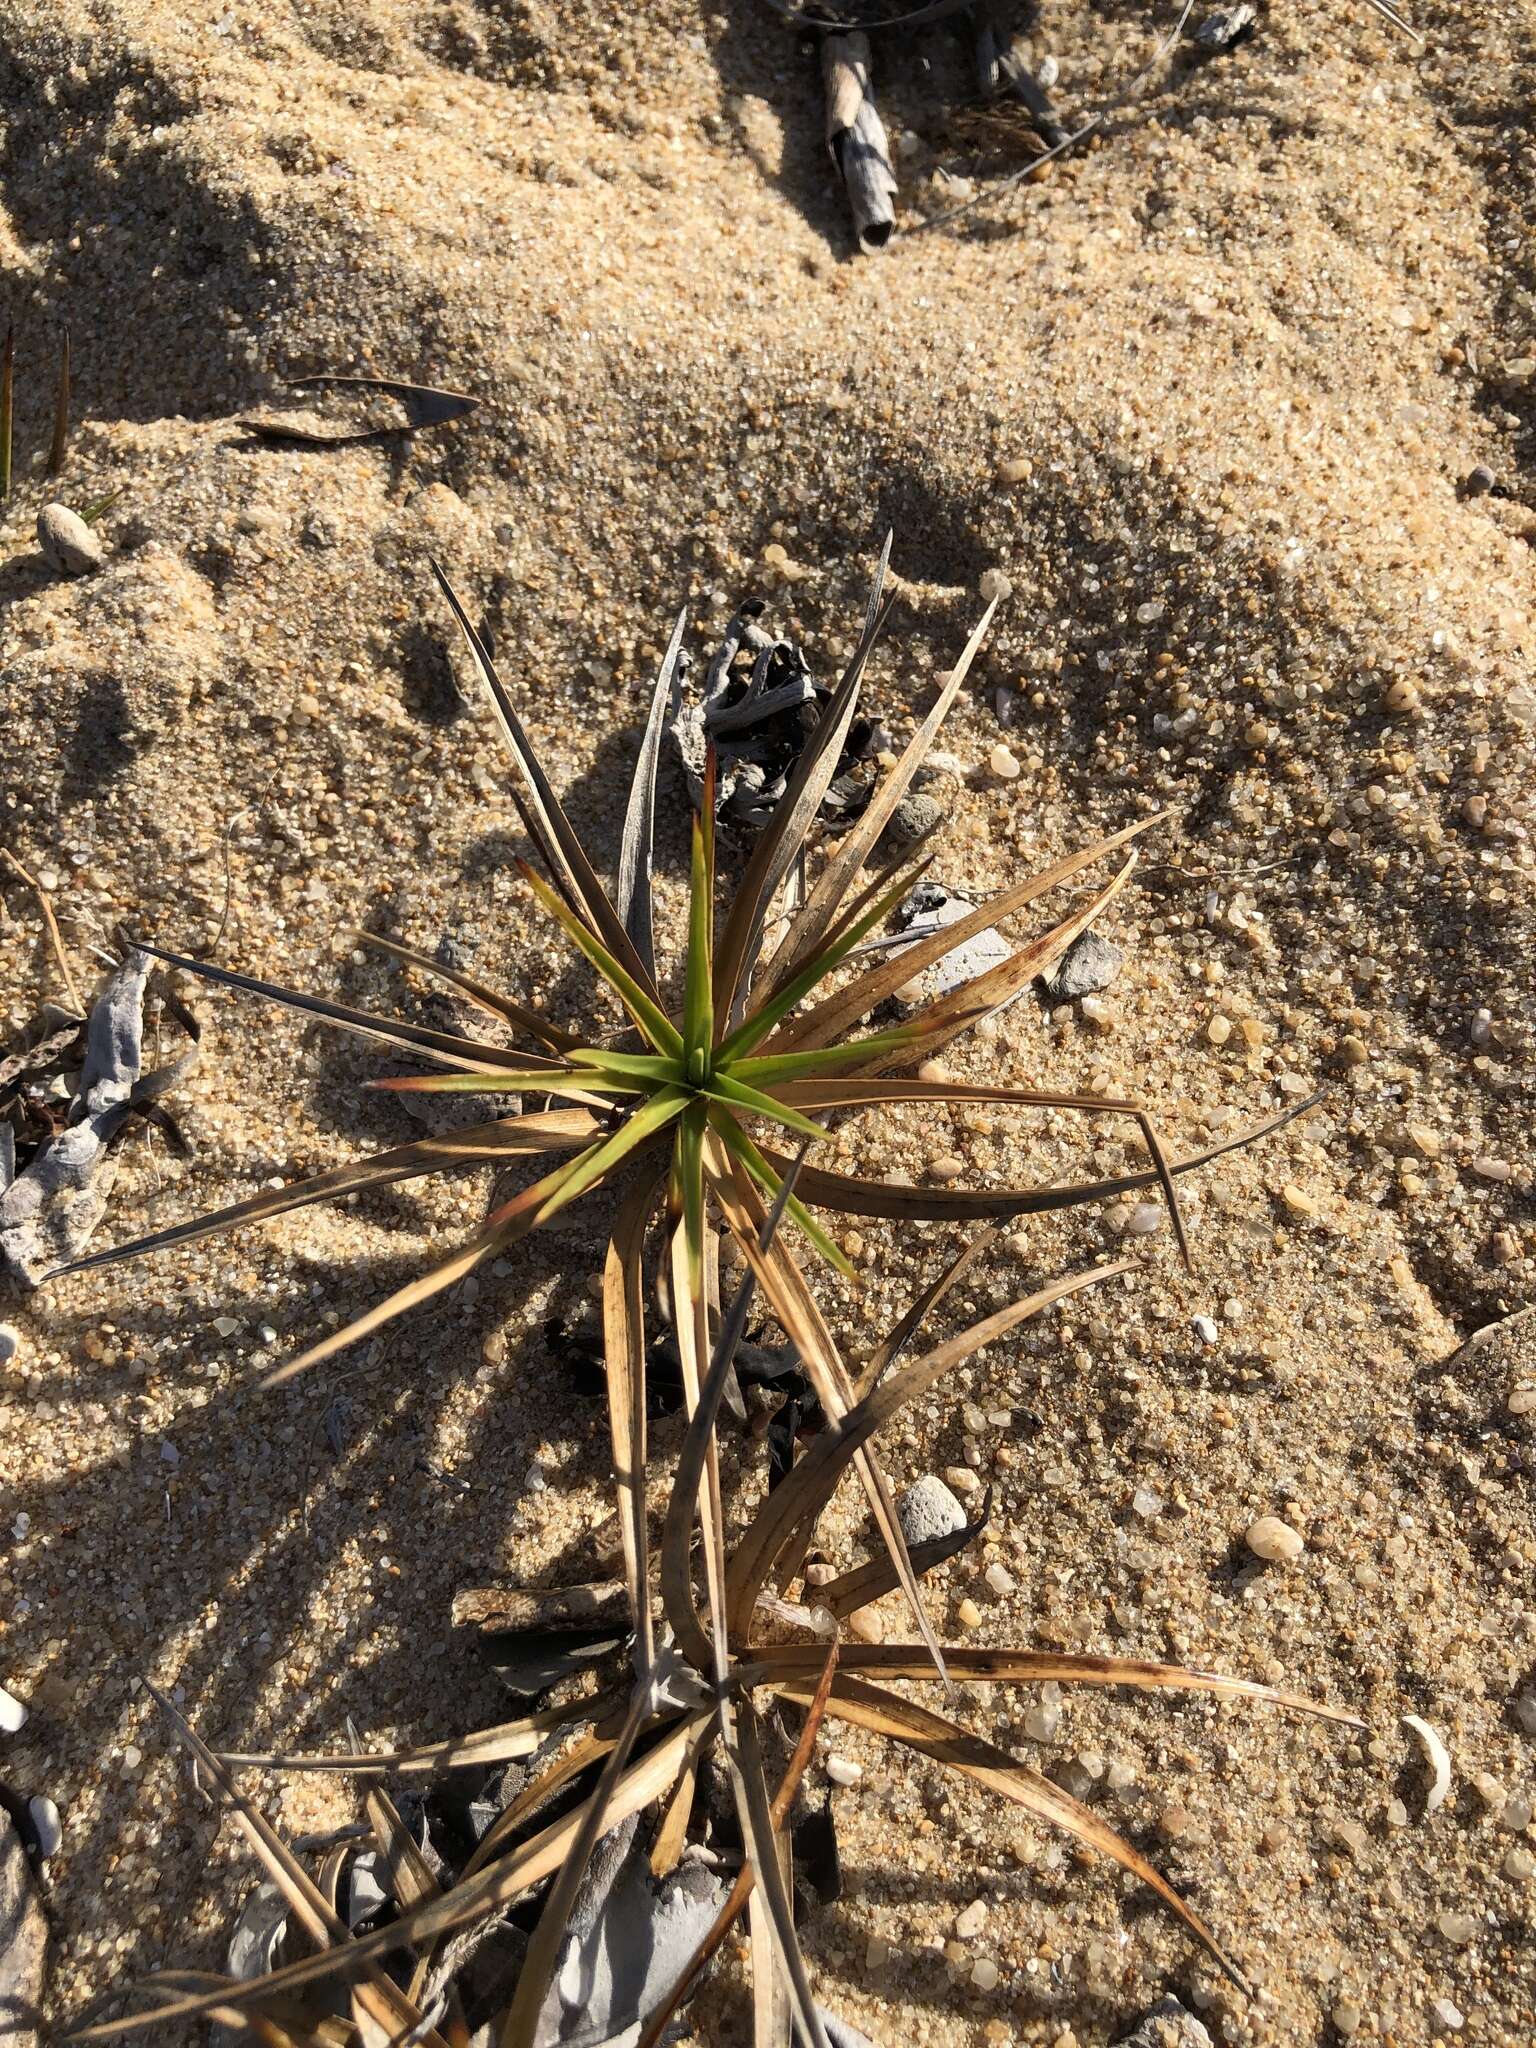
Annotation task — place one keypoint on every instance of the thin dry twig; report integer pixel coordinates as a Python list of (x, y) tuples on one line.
[(55, 937)]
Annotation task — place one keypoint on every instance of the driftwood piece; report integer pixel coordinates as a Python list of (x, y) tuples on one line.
[(495, 1609), (49, 1209), (856, 138), (1002, 68), (23, 1944)]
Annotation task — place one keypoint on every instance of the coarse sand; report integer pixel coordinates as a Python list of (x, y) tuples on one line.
[(1206, 400)]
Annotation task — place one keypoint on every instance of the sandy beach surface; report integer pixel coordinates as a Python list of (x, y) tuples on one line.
[(1207, 399)]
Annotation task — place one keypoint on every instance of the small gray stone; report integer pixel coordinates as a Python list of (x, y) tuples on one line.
[(914, 818), (928, 1509), (68, 544), (1229, 26), (1089, 964), (24, 1947), (10, 1342), (1167, 2025), (1478, 481)]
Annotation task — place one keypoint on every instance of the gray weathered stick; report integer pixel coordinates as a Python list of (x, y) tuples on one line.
[(856, 138)]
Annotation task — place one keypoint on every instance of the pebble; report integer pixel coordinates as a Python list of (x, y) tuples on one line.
[(1457, 1928), (1088, 965), (226, 1326), (970, 1921), (1446, 2016), (1000, 1580), (68, 544), (1492, 1169), (1003, 762), (945, 1166), (866, 1625), (1355, 1051), (1167, 2025), (1273, 1540), (10, 1342), (1096, 1010), (1439, 1758), (1219, 1030), (969, 1614), (995, 585), (1145, 1218), (843, 1770), (1525, 1712), (1043, 1719), (1346, 2019), (914, 818), (13, 1715), (1520, 1864), (1478, 481), (46, 1826), (1015, 469), (928, 1509), (961, 1479), (985, 1974), (1206, 1330), (1297, 1200), (1146, 1503)]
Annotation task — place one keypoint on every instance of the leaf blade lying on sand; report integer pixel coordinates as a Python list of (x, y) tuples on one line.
[(868, 1706), (508, 1137)]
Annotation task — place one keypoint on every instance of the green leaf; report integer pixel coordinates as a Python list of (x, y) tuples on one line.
[(723, 1088), (736, 1141), (698, 997), (654, 1026), (769, 1068), (761, 1022), (509, 1080), (638, 1066)]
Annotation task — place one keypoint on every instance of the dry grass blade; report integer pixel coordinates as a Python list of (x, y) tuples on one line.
[(473, 1899), (890, 1349), (868, 1706), (559, 1130), (809, 1485), (445, 1046), (590, 1748), (778, 847), (835, 879), (697, 1456), (512, 1221), (931, 1028), (624, 1352), (410, 1874), (381, 1998), (474, 990), (871, 1094), (541, 810), (502, 1744), (635, 851), (744, 1752), (906, 1661), (538, 1969), (741, 1890), (792, 1302), (836, 1015), (828, 1190), (426, 405), (690, 1326), (872, 1581)]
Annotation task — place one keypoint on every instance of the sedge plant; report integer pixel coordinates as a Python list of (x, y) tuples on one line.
[(682, 1122)]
